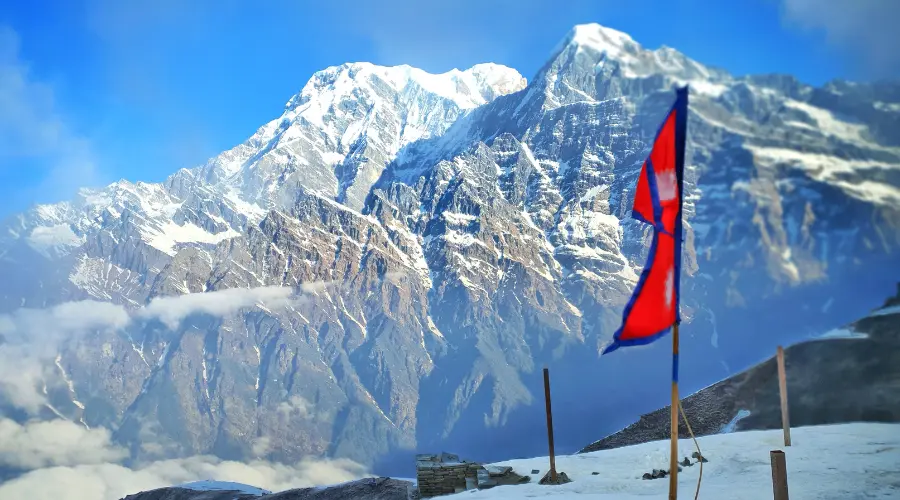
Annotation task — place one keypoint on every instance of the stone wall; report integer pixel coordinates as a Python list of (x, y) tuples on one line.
[(443, 474)]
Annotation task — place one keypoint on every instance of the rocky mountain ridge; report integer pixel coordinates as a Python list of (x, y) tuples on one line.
[(381, 488)]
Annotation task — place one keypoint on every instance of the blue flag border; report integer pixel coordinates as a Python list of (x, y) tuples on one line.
[(680, 110)]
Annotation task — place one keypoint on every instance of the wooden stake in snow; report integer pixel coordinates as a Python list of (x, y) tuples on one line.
[(779, 474), (782, 387), (549, 424)]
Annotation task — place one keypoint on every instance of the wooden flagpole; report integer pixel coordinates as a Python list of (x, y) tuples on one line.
[(782, 390), (673, 457), (680, 140), (549, 425)]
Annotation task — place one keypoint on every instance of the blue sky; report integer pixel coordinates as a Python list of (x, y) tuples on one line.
[(96, 90)]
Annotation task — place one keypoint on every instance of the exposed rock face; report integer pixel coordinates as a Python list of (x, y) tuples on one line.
[(175, 493), (382, 488), (852, 375), (451, 233)]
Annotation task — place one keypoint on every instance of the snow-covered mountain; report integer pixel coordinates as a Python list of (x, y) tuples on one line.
[(448, 235)]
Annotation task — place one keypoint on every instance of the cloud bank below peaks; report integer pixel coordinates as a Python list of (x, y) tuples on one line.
[(171, 311), (61, 459), (73, 318), (31, 338)]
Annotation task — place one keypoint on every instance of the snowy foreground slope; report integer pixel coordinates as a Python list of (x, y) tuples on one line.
[(846, 462)]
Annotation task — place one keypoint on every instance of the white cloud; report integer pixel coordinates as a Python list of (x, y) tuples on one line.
[(21, 373), (864, 27), (64, 319), (71, 462), (33, 337), (35, 445), (295, 407), (110, 481), (32, 127), (260, 446), (66, 460), (72, 318), (172, 310)]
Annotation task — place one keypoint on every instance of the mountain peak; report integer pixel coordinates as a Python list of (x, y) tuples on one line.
[(598, 46), (602, 39), (343, 111), (468, 88)]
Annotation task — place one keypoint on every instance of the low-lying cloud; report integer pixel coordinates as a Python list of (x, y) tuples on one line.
[(36, 445), (64, 460), (294, 407), (73, 318), (110, 481), (172, 310), (32, 338), (61, 321), (21, 373)]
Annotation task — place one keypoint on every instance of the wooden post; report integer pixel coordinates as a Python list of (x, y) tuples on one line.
[(779, 475), (782, 388), (673, 454), (549, 424)]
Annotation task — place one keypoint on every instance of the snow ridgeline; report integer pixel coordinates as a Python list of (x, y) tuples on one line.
[(832, 462), (224, 486)]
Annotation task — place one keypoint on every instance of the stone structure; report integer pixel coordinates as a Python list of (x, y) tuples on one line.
[(445, 473)]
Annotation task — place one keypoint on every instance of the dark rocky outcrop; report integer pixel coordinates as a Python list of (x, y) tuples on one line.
[(381, 488), (831, 380), (176, 493)]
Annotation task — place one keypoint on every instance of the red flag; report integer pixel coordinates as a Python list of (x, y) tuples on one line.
[(653, 307)]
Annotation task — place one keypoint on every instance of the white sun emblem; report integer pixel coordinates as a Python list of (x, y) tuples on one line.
[(670, 286), (666, 185)]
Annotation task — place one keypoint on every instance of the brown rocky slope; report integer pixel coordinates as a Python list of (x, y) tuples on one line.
[(847, 375)]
